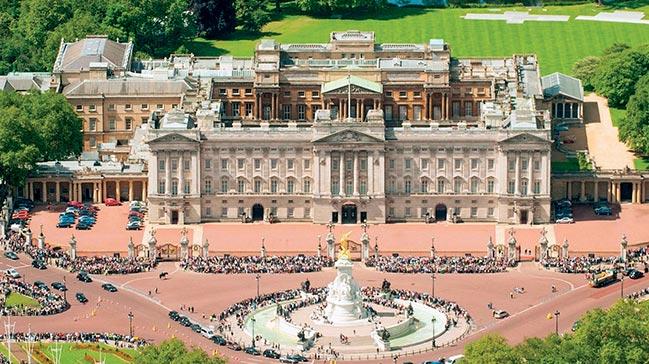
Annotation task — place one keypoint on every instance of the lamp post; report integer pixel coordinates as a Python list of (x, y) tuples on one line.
[(433, 320), (622, 287), (257, 277), (65, 292), (253, 320), (556, 321), (434, 266), (130, 323)]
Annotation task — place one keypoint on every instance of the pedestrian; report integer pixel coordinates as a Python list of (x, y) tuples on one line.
[(156, 290), (511, 295)]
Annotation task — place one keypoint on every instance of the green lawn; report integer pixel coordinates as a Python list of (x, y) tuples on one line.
[(72, 354), (17, 299), (569, 165), (642, 164), (558, 44), (617, 115)]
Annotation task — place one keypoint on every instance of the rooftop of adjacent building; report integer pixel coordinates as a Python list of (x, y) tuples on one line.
[(25, 81), (87, 163), (94, 50)]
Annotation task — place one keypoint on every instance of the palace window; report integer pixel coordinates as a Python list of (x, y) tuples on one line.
[(286, 111), (301, 94), (511, 165), (79, 108), (403, 112), (235, 92), (128, 107), (208, 186), (208, 163), (224, 164), (273, 185), (248, 91), (249, 106), (474, 164), (456, 110), (289, 212), (524, 187), (349, 164), (468, 108), (160, 107), (187, 186), (92, 108), (424, 164), (458, 164), (457, 186), (290, 164), (174, 164), (111, 124), (490, 185), (315, 94), (223, 92), (161, 187), (306, 164), (441, 164), (257, 164), (301, 112), (407, 186), (537, 187), (208, 211), (363, 164), (440, 186), (144, 106), (335, 188), (257, 186), (224, 212), (128, 123), (236, 109), (92, 124), (273, 164), (388, 112), (408, 163), (416, 110), (403, 94), (161, 165), (511, 187), (391, 163), (474, 185), (424, 186), (363, 187), (490, 212), (307, 186), (537, 164), (524, 164), (474, 212), (174, 187), (241, 185), (290, 186), (241, 163), (392, 186), (186, 164), (490, 164), (349, 187)]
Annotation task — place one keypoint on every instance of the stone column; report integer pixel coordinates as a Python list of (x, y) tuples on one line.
[(168, 173), (57, 195), (356, 168), (41, 240), (95, 193), (341, 176), (511, 251), (318, 174), (569, 197), (491, 252), (131, 248), (582, 192), (130, 190), (517, 176), (28, 239), (365, 242), (206, 249), (596, 191), (564, 249), (330, 246), (618, 189), (184, 247), (623, 249), (103, 189), (370, 173), (609, 191), (181, 175), (73, 248), (118, 190)]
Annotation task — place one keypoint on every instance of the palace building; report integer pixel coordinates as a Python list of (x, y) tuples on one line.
[(352, 131)]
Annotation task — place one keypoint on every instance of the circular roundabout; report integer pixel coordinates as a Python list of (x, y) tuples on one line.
[(343, 321)]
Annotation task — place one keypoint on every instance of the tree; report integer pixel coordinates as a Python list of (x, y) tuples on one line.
[(490, 349), (252, 14), (585, 70), (617, 74), (634, 127), (214, 18), (173, 351), (328, 7), (33, 128), (616, 48)]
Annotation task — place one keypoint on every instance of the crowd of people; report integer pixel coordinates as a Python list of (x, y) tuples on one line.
[(48, 303), (641, 295), (93, 265), (439, 264), (256, 264), (118, 340), (580, 264)]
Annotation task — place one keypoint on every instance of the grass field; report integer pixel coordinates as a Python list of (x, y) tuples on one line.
[(557, 44), (73, 354), (617, 115), (17, 299)]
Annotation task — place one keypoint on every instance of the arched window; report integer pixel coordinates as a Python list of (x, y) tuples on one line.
[(407, 185), (475, 184), (174, 187), (423, 187), (441, 185), (306, 188), (524, 187), (274, 185), (208, 185), (457, 185), (290, 185), (257, 185), (241, 185), (491, 185)]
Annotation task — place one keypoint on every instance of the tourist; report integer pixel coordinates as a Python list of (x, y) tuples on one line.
[(439, 264), (255, 264)]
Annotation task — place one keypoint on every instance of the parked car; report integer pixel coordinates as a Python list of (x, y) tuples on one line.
[(84, 277), (87, 218), (81, 297), (564, 203), (603, 209), (112, 202), (174, 315), (109, 287), (252, 351), (565, 220), (218, 340), (83, 226), (207, 333), (455, 359), (59, 286), (64, 224), (11, 255), (41, 285), (501, 314), (76, 204), (39, 264), (11, 272), (270, 353), (287, 359), (636, 274), (185, 321), (235, 347), (298, 357), (133, 225)]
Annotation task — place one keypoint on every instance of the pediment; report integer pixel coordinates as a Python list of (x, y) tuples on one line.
[(353, 89), (524, 138), (172, 138), (348, 136)]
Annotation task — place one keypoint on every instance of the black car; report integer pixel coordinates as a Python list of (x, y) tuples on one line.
[(196, 328), (39, 264), (41, 285), (84, 277), (174, 315), (218, 340), (83, 226), (270, 353), (109, 287), (636, 274), (252, 351), (81, 297), (185, 321), (59, 286), (297, 357), (11, 255)]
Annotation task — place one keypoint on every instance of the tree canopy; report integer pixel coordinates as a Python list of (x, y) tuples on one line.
[(617, 74), (328, 7), (33, 128), (634, 127), (616, 335), (214, 17), (174, 351)]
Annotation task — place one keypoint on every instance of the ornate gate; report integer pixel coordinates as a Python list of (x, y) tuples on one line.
[(169, 252)]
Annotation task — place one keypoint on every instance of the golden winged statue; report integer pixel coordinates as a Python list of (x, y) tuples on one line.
[(344, 247)]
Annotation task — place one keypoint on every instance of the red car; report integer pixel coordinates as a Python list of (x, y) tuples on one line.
[(21, 215), (135, 213), (112, 202), (76, 204)]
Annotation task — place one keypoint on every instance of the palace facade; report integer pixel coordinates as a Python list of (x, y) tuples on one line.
[(352, 131)]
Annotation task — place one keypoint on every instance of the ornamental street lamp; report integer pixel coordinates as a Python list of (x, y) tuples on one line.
[(257, 277), (130, 323), (433, 320), (556, 321), (253, 320)]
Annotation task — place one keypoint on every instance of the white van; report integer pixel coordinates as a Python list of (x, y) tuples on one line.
[(455, 359)]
